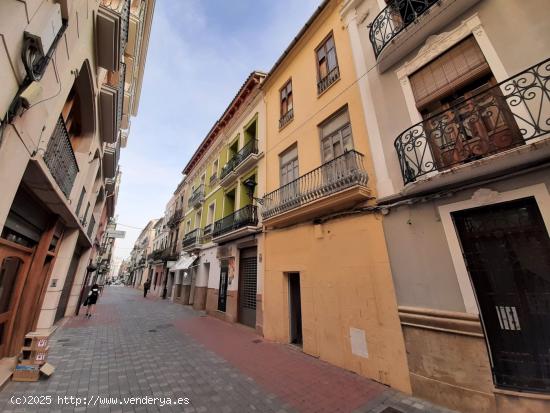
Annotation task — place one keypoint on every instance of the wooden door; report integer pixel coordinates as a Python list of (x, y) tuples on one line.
[(14, 267), (470, 125), (507, 251)]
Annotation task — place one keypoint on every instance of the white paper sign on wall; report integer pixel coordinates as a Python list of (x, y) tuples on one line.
[(358, 341)]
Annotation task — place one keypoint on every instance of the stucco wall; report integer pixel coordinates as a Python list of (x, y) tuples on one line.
[(421, 261), (345, 282)]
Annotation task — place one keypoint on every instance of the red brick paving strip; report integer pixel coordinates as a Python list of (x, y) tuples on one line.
[(304, 382)]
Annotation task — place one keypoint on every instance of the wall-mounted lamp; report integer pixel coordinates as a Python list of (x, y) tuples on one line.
[(250, 184)]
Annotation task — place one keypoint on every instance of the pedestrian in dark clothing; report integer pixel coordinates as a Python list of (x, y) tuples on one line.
[(146, 287), (91, 300)]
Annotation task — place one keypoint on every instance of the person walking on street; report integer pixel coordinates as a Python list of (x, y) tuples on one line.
[(146, 287), (91, 300)]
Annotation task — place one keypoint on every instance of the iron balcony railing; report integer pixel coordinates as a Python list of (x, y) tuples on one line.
[(60, 159), (197, 196), (91, 227), (247, 216), (192, 238), (333, 176), (395, 17), (495, 119), (328, 80), (207, 233), (251, 147), (287, 117), (120, 93), (124, 25)]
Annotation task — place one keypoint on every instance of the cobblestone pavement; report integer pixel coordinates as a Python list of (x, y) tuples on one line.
[(136, 347)]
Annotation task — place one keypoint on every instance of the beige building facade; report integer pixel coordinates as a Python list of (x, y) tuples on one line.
[(327, 286), (62, 104), (456, 101)]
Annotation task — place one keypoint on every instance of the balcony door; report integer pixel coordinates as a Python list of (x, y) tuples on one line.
[(336, 139), (507, 251), (465, 114), (289, 175)]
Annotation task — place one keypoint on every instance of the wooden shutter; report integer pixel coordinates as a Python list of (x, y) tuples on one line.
[(455, 68)]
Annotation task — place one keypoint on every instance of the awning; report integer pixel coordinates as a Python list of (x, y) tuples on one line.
[(184, 263)]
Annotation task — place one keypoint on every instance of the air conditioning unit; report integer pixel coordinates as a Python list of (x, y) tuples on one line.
[(45, 26)]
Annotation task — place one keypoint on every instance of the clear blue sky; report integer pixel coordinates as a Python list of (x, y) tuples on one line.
[(200, 52)]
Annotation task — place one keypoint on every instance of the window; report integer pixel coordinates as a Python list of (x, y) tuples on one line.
[(188, 226), (210, 216), (198, 219), (336, 137), (214, 175), (289, 165), (287, 105), (327, 64)]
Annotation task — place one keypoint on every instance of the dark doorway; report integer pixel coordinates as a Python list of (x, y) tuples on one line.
[(222, 292), (295, 310), (248, 273), (66, 292), (507, 251)]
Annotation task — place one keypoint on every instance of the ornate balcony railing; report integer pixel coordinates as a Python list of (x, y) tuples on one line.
[(328, 80), (192, 238), (249, 148), (120, 94), (247, 216), (396, 16), (197, 197), (124, 24), (60, 159), (91, 226), (287, 117), (334, 176), (496, 119)]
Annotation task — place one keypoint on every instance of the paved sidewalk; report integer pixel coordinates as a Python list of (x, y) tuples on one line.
[(136, 347)]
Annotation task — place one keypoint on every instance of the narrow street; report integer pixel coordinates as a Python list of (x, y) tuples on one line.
[(136, 347)]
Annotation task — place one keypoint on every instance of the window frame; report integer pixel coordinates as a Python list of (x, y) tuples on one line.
[(326, 121), (284, 88), (322, 45)]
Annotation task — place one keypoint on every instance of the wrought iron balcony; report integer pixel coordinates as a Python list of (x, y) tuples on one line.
[(328, 80), (510, 114), (207, 233), (244, 217), (175, 218), (191, 239), (120, 93), (60, 159), (234, 163), (395, 17), (286, 118), (197, 197), (339, 174)]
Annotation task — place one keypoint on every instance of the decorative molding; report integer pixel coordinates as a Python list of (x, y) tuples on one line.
[(437, 44), (438, 320)]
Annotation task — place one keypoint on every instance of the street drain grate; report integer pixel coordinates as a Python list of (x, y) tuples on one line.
[(391, 410), (257, 341), (152, 330), (63, 340)]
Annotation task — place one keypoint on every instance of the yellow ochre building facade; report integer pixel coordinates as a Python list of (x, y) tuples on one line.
[(328, 285)]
